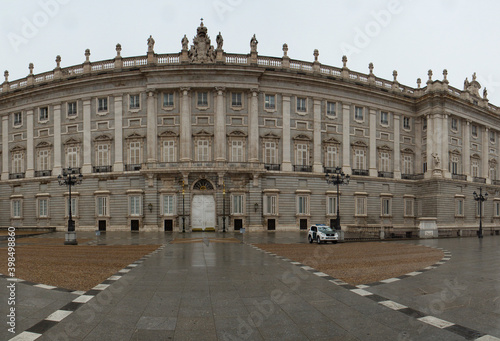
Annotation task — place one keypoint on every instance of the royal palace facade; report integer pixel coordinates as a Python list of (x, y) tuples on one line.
[(208, 139)]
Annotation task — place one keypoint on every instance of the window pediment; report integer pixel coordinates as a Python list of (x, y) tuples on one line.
[(302, 137), (72, 140), (475, 156), (43, 145), (134, 135), (407, 151), (202, 133), (103, 138), (270, 136), (331, 140), (359, 144), (385, 148), (455, 152), (237, 133), (168, 133), (18, 149)]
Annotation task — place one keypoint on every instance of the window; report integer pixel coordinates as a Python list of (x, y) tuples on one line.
[(406, 123), (43, 208), (72, 157), (360, 206), (237, 151), (331, 156), (44, 160), (102, 155), (459, 207), (43, 114), (236, 99), (492, 136), (407, 164), (203, 99), (72, 109), (454, 164), (331, 109), (384, 118), (302, 157), (454, 124), (474, 130), (424, 124), (135, 205), (169, 151), (270, 153), (74, 207), (301, 104), (269, 102), (384, 162), (18, 119), (386, 207), (102, 206), (480, 208), (202, 150), (16, 208), (168, 99), (134, 102), (331, 208), (135, 153), (270, 204), (409, 204), (493, 172), (358, 114), (168, 204), (496, 207), (102, 104), (237, 204), (17, 163), (359, 159), (302, 204), (475, 168)]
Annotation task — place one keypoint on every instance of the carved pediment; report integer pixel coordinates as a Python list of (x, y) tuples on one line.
[(475, 156), (72, 140), (331, 140), (407, 151), (493, 162), (202, 133), (385, 148), (455, 152), (43, 144), (102, 138), (18, 148), (270, 136), (302, 137), (134, 135), (168, 133), (237, 133), (359, 144)]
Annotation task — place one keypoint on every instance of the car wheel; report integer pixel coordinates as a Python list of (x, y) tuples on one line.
[(318, 240), (310, 239)]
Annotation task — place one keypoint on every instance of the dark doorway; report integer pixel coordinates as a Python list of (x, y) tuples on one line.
[(102, 225), (134, 225), (303, 224), (238, 224), (271, 224), (169, 225), (332, 223)]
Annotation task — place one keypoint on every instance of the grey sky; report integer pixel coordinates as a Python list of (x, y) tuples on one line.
[(409, 36)]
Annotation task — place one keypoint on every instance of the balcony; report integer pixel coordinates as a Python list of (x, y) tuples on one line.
[(462, 177), (67, 171), (272, 167), (43, 173), (495, 182), (479, 180), (363, 172), (102, 169), (133, 167), (329, 169), (17, 175), (301, 168), (386, 174)]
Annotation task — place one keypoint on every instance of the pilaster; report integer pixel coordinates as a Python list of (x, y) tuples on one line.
[(87, 142), (118, 104), (346, 138), (317, 165), (152, 124), (397, 147), (373, 143), (445, 147), (253, 127), (5, 147), (30, 170), (57, 140), (430, 146), (186, 135), (466, 149), (220, 127), (286, 164), (485, 155)]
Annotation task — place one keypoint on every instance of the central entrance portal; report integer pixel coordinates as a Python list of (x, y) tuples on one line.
[(203, 212)]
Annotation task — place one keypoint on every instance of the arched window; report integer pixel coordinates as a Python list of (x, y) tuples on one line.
[(203, 185)]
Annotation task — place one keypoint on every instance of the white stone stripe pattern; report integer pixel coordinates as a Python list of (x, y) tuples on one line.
[(389, 280), (361, 292), (58, 315), (488, 338), (26, 336), (393, 305), (434, 321)]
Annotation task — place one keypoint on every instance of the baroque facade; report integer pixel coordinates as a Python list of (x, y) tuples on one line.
[(205, 138)]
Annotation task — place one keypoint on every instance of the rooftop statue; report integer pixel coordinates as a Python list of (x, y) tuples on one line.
[(201, 51)]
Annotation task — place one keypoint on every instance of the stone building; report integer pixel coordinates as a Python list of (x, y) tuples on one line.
[(210, 138)]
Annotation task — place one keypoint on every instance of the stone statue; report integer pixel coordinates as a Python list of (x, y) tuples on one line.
[(485, 93), (436, 159), (184, 43), (466, 83), (151, 44), (220, 41), (253, 44)]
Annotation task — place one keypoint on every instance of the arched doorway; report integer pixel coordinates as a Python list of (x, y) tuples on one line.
[(203, 206)]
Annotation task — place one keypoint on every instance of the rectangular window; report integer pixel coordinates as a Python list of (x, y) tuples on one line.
[(43, 114), (496, 206), (454, 124), (43, 208), (493, 173), (135, 205), (72, 157), (359, 159), (72, 109), (302, 158), (270, 204), (459, 204), (74, 210), (17, 163), (384, 162), (407, 164), (331, 109), (475, 168), (480, 208), (474, 130), (269, 102), (424, 124), (301, 104), (134, 102), (384, 118), (16, 208), (360, 206), (302, 204), (18, 119), (236, 99), (202, 150), (409, 206), (203, 99), (102, 104), (43, 160), (169, 151), (168, 99), (492, 136), (331, 206), (331, 156), (406, 123), (237, 151), (358, 113), (270, 153), (135, 153), (237, 204), (102, 155), (386, 207), (102, 206), (168, 204), (454, 165)]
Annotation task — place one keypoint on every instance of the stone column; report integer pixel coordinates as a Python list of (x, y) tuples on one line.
[(373, 143), (220, 127), (151, 128), (118, 104), (430, 146), (417, 166), (30, 170), (317, 165), (445, 147), (485, 169), (186, 135), (397, 147), (437, 140), (466, 150), (346, 138), (56, 170), (253, 127), (5, 147), (286, 163), (87, 141)]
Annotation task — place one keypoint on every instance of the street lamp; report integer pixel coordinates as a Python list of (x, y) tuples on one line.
[(183, 211), (337, 178), (480, 199), (69, 179)]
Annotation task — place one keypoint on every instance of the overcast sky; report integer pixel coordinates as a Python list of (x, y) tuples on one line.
[(409, 36)]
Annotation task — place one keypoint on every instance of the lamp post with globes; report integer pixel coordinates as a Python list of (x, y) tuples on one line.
[(337, 178), (68, 178), (480, 198)]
